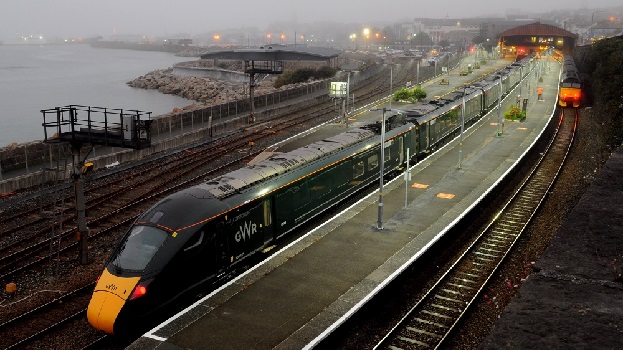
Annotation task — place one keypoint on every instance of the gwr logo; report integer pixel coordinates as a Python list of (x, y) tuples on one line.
[(111, 287), (246, 231)]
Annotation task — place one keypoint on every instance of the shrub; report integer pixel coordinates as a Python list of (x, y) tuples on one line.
[(410, 95), (514, 113), (303, 75)]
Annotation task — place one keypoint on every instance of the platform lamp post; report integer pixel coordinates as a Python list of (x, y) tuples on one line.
[(500, 107), (520, 78), (379, 223), (391, 84), (462, 128)]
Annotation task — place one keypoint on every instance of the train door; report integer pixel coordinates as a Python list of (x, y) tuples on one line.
[(267, 230), (220, 246), (424, 137)]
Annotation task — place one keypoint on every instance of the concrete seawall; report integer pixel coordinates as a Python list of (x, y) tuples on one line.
[(212, 73)]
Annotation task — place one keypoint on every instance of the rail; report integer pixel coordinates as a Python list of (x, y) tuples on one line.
[(427, 324)]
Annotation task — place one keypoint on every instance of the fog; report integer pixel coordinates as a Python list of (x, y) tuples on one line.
[(80, 18)]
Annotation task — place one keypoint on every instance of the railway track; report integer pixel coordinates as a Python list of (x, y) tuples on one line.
[(431, 320), (121, 205), (40, 321)]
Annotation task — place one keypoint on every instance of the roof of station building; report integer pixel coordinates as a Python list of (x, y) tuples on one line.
[(538, 29), (275, 53)]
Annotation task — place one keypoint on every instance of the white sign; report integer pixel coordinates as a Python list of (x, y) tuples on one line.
[(338, 89)]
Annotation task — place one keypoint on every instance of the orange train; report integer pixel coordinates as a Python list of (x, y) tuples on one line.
[(570, 92)]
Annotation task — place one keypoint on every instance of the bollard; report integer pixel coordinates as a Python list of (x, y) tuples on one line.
[(11, 289)]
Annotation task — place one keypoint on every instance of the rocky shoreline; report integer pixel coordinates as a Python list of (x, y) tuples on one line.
[(203, 90), (208, 91)]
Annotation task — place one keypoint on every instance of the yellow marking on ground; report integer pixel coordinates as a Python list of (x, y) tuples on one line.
[(417, 185), (493, 123), (522, 128), (445, 195), (268, 249)]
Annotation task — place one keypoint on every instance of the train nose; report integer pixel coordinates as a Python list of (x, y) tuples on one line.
[(109, 297), (103, 310)]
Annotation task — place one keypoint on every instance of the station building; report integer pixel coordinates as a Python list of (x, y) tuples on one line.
[(534, 38)]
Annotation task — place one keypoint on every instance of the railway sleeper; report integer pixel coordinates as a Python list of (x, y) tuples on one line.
[(423, 331), (430, 323), (451, 309), (412, 341), (437, 315), (444, 299)]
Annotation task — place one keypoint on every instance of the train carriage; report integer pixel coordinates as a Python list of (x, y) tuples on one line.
[(218, 226), (570, 89)]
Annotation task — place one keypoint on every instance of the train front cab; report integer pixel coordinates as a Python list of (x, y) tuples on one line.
[(570, 94), (123, 279)]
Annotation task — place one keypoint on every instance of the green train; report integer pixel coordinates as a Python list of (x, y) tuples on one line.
[(215, 227)]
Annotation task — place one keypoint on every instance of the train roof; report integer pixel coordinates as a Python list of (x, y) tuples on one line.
[(279, 163)]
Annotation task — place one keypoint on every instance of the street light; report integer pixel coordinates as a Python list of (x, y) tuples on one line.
[(379, 223)]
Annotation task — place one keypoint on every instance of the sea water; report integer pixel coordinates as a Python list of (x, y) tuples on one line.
[(36, 77)]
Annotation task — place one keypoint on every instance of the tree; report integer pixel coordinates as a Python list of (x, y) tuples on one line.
[(421, 39), (444, 44)]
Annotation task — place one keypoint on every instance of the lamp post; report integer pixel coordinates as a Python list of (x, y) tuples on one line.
[(347, 95), (500, 106), (462, 127), (417, 74), (379, 223), (520, 78), (391, 84)]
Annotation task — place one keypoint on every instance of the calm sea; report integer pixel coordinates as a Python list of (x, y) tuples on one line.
[(33, 78)]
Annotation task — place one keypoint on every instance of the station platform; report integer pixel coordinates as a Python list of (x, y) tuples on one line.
[(296, 297)]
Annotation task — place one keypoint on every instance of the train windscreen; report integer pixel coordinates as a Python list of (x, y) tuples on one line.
[(139, 248)]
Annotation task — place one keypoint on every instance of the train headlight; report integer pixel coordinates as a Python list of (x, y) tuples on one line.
[(138, 292)]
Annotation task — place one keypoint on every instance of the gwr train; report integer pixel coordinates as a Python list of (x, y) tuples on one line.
[(202, 233), (570, 91)]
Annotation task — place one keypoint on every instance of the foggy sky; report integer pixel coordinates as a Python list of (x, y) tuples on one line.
[(87, 18)]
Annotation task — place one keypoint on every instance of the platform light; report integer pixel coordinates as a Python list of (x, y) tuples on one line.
[(379, 223)]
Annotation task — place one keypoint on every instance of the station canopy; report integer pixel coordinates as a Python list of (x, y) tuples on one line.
[(275, 53)]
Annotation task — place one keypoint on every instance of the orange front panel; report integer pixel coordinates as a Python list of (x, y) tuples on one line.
[(111, 293)]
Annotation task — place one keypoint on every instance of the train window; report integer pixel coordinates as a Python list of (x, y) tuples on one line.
[(139, 248), (358, 169), (197, 242), (373, 162), (267, 213)]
